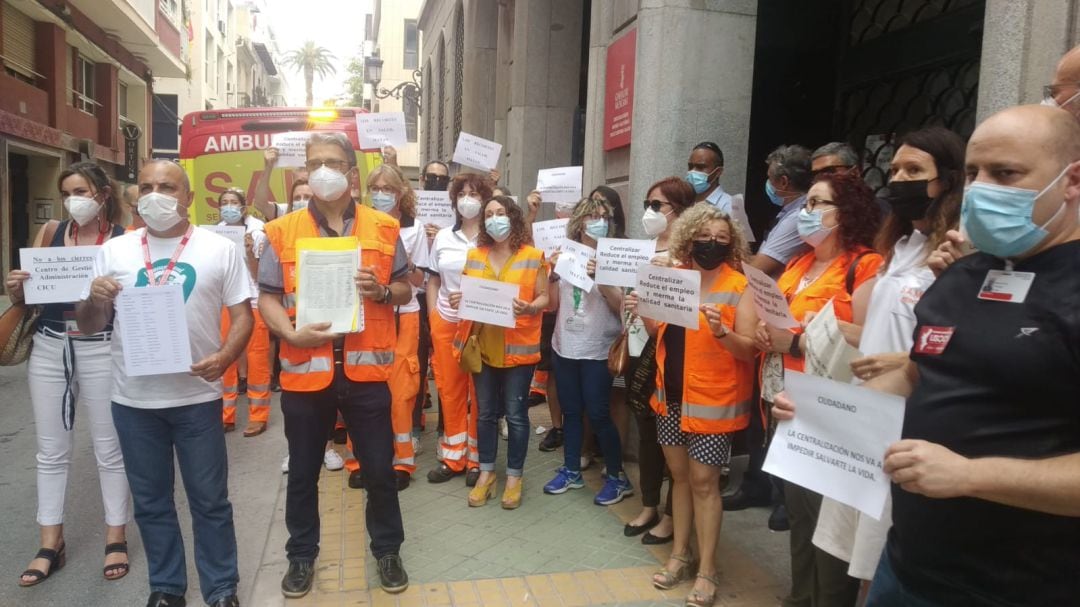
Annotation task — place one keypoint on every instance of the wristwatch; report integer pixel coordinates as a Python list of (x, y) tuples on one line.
[(723, 332), (795, 351), (387, 295)]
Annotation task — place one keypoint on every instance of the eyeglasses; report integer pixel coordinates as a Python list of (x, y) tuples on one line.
[(813, 203), (711, 238), (375, 189), (337, 165), (439, 179), (654, 204), (1051, 90)]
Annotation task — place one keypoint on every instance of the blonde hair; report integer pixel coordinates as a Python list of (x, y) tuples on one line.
[(585, 208), (393, 178), (686, 226)]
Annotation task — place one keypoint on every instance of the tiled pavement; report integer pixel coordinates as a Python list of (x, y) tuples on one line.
[(553, 550)]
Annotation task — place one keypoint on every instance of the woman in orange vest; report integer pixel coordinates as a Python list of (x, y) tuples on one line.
[(839, 222), (704, 388), (509, 355)]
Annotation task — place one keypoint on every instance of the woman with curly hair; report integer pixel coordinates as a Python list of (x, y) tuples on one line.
[(509, 355), (704, 380), (839, 222)]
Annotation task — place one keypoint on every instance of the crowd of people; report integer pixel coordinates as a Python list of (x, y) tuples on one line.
[(958, 282)]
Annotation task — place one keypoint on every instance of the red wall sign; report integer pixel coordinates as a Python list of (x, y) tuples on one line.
[(619, 91)]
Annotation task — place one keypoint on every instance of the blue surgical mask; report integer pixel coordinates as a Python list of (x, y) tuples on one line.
[(997, 218), (698, 180), (596, 228), (383, 201), (498, 227), (774, 197), (231, 214), (810, 228)]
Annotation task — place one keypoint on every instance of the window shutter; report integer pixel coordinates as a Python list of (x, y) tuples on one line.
[(18, 41)]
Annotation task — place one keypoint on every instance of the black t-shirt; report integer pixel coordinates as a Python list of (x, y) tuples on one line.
[(674, 357), (1007, 383)]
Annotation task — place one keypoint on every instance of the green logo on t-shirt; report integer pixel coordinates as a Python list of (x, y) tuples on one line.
[(182, 273)]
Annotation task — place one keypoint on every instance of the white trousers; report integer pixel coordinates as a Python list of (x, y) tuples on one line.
[(93, 383)]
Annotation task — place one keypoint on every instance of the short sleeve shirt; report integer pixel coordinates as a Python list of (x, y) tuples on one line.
[(448, 253), (720, 199), (783, 242)]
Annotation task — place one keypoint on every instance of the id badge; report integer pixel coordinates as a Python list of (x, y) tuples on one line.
[(71, 327), (1002, 285), (575, 324)]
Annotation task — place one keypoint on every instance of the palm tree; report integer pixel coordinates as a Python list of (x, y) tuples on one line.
[(311, 60)]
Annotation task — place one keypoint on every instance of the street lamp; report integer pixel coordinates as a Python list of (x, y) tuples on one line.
[(409, 91)]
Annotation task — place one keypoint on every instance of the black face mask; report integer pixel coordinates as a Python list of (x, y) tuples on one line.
[(436, 183), (907, 199), (709, 254)]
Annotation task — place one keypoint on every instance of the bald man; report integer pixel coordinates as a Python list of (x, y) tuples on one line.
[(175, 415), (986, 494), (1064, 92)]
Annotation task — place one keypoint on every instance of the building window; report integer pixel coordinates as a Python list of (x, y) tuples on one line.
[(170, 7), (412, 44), (411, 105), (208, 48), (165, 135), (122, 103), (17, 44), (83, 96)]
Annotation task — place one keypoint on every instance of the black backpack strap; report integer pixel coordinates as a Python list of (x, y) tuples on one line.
[(849, 279)]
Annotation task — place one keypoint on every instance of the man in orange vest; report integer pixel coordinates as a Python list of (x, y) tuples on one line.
[(323, 373)]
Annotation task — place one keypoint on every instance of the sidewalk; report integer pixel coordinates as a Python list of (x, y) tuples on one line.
[(554, 550)]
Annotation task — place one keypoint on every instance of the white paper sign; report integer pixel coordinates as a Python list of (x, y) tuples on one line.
[(472, 151), (559, 185), (434, 207), (619, 259), (377, 131), (573, 263), (57, 274), (488, 301), (154, 330), (828, 354), (327, 290), (836, 443), (233, 233), (738, 213), (669, 295), (292, 148), (769, 301), (549, 236)]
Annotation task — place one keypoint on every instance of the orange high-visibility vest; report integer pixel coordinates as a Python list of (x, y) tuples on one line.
[(521, 345), (717, 387), (368, 355)]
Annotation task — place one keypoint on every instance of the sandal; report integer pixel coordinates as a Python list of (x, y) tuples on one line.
[(117, 570), (696, 599), (666, 580), (57, 558)]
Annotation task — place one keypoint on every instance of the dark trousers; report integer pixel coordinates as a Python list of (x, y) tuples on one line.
[(423, 355), (818, 579), (651, 464), (309, 416), (585, 390)]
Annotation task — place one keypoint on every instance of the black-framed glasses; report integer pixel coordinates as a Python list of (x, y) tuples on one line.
[(439, 179), (334, 164), (653, 204), (713, 238), (814, 203)]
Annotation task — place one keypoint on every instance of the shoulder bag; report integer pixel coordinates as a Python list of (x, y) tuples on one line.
[(19, 322)]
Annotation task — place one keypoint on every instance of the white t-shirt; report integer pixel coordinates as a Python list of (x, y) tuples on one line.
[(447, 259), (585, 327), (253, 226), (414, 239), (213, 275)]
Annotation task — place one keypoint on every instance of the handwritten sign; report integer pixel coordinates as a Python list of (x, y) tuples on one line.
[(472, 151), (769, 301), (573, 264), (561, 185), (488, 301), (434, 207), (292, 148), (549, 236), (669, 295), (377, 131), (618, 260), (57, 274), (836, 443)]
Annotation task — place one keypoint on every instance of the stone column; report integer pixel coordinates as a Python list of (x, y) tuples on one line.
[(478, 90), (1022, 43)]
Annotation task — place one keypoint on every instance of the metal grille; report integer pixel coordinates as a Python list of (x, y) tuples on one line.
[(426, 83), (459, 67), (873, 18), (440, 131)]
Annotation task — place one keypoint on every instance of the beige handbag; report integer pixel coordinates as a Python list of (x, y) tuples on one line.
[(17, 326)]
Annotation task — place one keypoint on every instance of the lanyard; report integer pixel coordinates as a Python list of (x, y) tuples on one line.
[(577, 299), (172, 261), (100, 236)]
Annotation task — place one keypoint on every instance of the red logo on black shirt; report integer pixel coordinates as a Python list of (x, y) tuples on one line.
[(933, 340)]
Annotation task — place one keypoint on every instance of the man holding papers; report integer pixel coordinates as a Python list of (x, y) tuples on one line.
[(154, 413), (323, 372)]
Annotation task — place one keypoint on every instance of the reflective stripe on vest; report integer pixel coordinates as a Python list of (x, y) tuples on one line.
[(355, 358), (522, 350), (525, 264), (317, 363), (713, 413), (729, 298), (473, 264), (521, 344)]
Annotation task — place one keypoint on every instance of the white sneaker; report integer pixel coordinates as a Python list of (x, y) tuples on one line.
[(332, 460), (504, 429), (417, 448), (285, 465)]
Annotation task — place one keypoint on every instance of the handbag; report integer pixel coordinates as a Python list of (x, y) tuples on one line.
[(618, 356), (641, 383), (17, 326), (472, 360)]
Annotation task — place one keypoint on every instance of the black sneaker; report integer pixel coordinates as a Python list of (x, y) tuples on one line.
[(535, 399), (441, 474), (552, 440), (229, 601), (392, 576), (778, 520), (471, 477), (298, 579), (356, 479), (164, 599), (403, 479)]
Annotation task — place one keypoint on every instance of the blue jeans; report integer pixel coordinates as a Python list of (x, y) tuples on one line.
[(503, 390), (148, 439), (887, 591), (584, 386)]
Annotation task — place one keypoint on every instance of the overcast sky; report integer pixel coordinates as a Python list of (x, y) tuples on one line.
[(337, 25)]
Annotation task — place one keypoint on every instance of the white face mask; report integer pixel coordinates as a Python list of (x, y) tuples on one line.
[(159, 211), (82, 209), (468, 207), (654, 223), (327, 184)]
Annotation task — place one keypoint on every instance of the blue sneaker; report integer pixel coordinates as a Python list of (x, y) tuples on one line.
[(564, 481), (615, 489)]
